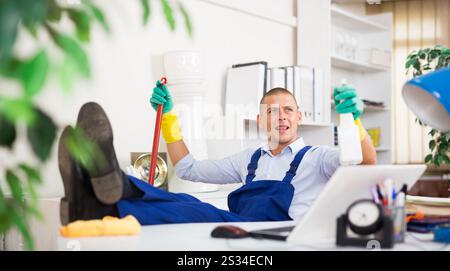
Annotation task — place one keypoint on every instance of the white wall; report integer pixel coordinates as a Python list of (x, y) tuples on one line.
[(125, 65)]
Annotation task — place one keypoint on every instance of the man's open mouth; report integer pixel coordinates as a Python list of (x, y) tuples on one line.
[(282, 128)]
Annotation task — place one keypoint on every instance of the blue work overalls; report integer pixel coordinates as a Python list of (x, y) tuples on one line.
[(264, 200)]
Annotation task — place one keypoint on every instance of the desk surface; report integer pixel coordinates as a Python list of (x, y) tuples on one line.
[(196, 237)]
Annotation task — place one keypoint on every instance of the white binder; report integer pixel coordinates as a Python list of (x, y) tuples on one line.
[(268, 80), (245, 86), (318, 95), (278, 78), (297, 90), (304, 91), (290, 79)]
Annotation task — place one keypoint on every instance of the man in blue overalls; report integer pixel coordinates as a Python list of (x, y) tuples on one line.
[(280, 180)]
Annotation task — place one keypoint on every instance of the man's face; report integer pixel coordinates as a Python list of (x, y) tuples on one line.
[(280, 118)]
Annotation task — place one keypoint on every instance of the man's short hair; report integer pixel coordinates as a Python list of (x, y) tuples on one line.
[(276, 91)]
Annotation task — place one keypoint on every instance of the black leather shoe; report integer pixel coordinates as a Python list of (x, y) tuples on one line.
[(107, 179), (79, 202)]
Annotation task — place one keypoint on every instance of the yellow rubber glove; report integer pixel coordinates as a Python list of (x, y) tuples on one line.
[(170, 128), (362, 131), (108, 226)]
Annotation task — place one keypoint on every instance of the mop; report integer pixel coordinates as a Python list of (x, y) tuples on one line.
[(154, 155)]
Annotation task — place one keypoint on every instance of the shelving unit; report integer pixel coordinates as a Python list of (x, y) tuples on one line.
[(382, 149), (372, 82), (354, 22), (369, 108), (355, 66)]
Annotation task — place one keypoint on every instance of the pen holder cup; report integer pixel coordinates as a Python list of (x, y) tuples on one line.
[(398, 215)]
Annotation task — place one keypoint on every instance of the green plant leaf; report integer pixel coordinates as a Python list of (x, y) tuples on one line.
[(5, 219), (19, 110), (32, 210), (9, 25), (33, 174), (32, 29), (443, 148), (54, 12), (74, 51), (409, 63), (433, 54), (146, 9), (419, 122), (428, 158), (32, 14), (97, 14), (15, 186), (422, 55), (12, 68), (8, 132), (67, 74), (168, 14), (411, 55), (187, 19), (438, 159), (34, 73), (33, 178), (22, 226), (41, 135), (84, 151), (446, 159), (416, 65), (82, 24), (432, 144), (432, 132)]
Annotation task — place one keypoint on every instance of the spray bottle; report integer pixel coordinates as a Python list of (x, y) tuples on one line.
[(348, 138)]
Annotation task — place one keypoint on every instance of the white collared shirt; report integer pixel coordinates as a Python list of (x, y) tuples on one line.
[(317, 166)]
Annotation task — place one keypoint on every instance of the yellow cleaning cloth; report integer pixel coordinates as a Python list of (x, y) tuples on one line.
[(108, 226)]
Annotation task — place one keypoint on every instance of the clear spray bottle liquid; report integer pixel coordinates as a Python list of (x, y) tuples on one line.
[(348, 138)]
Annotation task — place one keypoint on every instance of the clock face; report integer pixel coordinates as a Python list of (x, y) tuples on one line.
[(364, 214)]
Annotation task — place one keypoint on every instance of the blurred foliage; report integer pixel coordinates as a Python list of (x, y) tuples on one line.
[(420, 62), (88, 154), (41, 18)]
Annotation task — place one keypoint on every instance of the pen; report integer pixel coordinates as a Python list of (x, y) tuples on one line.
[(400, 202), (380, 195), (404, 189), (388, 191), (375, 195)]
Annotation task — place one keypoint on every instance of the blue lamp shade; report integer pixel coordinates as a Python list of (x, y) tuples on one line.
[(428, 97)]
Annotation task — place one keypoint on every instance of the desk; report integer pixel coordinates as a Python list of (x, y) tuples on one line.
[(196, 237)]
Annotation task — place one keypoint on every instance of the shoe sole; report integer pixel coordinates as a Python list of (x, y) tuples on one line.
[(93, 120), (66, 169)]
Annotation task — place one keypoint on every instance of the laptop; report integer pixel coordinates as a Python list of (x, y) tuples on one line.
[(347, 185)]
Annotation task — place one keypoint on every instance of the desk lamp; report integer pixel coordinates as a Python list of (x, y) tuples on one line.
[(428, 97)]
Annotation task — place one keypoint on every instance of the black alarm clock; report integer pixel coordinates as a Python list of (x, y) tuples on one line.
[(364, 222), (364, 217)]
